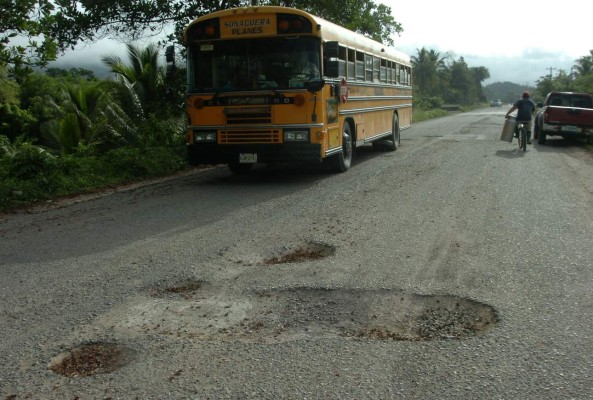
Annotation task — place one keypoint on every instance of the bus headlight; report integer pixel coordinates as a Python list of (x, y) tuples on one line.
[(296, 136), (204, 136)]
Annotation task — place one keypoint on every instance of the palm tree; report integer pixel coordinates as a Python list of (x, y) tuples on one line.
[(142, 73), (428, 65), (584, 65), (88, 116)]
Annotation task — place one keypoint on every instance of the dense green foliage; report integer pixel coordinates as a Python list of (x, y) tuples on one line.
[(441, 79), (29, 174), (71, 132), (578, 79)]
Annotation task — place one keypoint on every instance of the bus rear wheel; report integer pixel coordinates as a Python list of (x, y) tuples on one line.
[(343, 160), (394, 140), (391, 142)]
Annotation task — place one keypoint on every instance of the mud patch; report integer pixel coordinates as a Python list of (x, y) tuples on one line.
[(187, 289), (91, 359), (309, 251)]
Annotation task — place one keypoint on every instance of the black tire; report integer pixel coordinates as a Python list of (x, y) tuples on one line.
[(523, 139), (239, 168), (542, 138), (392, 142), (343, 160), (536, 130)]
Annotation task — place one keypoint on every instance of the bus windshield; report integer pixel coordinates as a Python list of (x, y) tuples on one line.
[(273, 63)]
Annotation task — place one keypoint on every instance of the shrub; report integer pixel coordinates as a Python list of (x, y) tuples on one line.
[(15, 122), (134, 162)]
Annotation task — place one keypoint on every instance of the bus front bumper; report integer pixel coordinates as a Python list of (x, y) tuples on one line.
[(213, 153)]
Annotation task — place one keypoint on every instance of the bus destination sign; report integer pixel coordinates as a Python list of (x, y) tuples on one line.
[(248, 25)]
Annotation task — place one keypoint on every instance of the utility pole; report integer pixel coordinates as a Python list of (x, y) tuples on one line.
[(551, 69)]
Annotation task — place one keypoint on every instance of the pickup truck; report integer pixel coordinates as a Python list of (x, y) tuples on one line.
[(566, 114)]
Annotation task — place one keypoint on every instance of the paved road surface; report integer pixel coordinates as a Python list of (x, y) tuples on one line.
[(455, 267)]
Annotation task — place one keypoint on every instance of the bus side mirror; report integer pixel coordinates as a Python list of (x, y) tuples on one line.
[(315, 85)]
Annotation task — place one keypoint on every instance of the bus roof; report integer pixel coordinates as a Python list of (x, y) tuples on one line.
[(327, 30)]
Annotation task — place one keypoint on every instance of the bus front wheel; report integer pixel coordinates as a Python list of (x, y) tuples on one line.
[(344, 159)]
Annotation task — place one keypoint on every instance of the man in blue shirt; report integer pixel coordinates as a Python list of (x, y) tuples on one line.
[(525, 109)]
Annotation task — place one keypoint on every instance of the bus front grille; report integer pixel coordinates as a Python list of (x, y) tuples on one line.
[(249, 136), (248, 115)]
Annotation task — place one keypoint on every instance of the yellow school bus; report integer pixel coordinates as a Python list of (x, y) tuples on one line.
[(276, 84)]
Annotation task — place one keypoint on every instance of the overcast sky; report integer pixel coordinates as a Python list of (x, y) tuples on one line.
[(518, 41)]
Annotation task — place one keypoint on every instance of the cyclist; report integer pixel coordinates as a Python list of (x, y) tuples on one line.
[(525, 109)]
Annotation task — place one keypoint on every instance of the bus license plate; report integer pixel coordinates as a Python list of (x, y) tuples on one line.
[(247, 158)]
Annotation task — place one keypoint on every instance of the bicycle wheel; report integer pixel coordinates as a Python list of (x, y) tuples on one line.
[(523, 139)]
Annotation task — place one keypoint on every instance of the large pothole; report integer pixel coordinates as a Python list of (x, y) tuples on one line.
[(90, 359), (375, 314), (275, 315)]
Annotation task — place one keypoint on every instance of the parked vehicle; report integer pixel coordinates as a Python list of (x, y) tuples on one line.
[(566, 114)]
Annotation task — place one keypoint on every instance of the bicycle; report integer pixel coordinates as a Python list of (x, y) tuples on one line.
[(522, 136)]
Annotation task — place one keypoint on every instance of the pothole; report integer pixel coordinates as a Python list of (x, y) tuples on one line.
[(300, 253), (210, 313), (373, 314), (91, 359)]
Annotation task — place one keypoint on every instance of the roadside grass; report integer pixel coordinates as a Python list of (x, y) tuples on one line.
[(30, 176), (419, 115)]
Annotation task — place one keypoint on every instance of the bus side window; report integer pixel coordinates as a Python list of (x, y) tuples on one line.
[(334, 60), (351, 74), (369, 68), (383, 74), (359, 66)]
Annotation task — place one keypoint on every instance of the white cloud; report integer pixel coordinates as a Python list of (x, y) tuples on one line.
[(517, 41)]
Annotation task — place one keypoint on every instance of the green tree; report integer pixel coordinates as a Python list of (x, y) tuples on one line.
[(584, 65), (89, 117), (428, 66), (76, 21), (25, 40), (143, 73), (73, 74), (463, 90), (480, 74)]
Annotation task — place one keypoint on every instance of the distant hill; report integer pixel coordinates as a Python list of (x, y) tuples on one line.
[(507, 92)]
